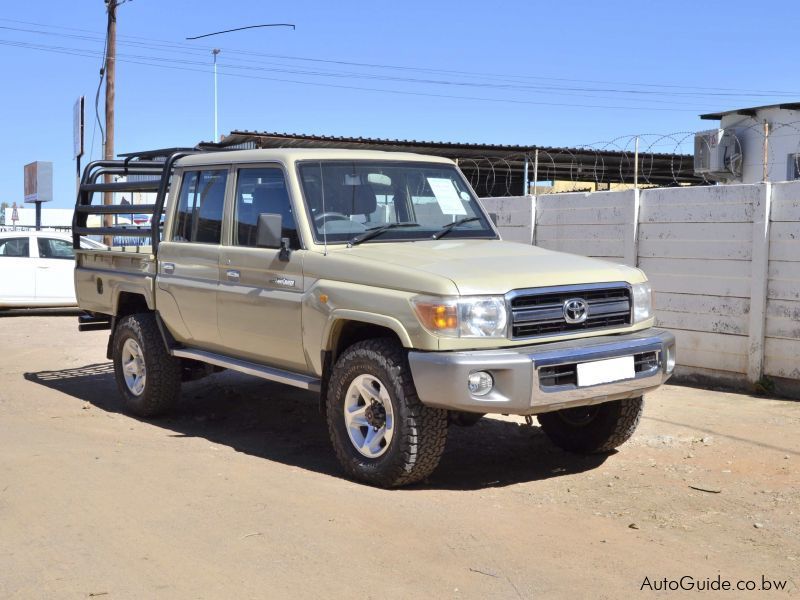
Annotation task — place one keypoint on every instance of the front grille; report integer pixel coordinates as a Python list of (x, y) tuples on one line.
[(542, 313), (558, 375)]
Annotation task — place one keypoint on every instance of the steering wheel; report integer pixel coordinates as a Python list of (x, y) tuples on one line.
[(331, 216)]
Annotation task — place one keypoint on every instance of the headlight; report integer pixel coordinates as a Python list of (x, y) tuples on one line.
[(476, 317), (482, 317), (642, 302)]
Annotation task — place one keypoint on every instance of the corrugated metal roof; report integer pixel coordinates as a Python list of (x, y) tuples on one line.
[(155, 154), (492, 169), (498, 169), (298, 138)]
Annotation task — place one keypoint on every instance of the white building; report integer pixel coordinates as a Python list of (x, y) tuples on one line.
[(51, 217), (735, 152)]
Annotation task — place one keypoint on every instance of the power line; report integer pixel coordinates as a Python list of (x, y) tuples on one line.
[(294, 71), (712, 91), (97, 99), (148, 61), (538, 90)]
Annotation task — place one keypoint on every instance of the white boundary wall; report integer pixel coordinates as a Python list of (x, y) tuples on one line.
[(782, 343), (724, 262)]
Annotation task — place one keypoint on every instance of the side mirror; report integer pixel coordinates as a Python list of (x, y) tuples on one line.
[(268, 234), (268, 231)]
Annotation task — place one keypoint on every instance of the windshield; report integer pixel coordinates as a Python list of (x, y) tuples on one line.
[(347, 198)]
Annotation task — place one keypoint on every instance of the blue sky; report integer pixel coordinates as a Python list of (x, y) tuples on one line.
[(563, 74)]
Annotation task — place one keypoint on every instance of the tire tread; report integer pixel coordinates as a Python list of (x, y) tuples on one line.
[(424, 435), (163, 384), (614, 425)]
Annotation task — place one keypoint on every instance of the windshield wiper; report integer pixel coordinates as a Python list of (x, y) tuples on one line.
[(450, 226), (376, 231)]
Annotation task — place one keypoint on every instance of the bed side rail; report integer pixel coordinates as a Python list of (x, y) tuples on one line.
[(146, 176)]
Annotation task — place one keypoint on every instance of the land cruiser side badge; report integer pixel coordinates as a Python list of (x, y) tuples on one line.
[(282, 281)]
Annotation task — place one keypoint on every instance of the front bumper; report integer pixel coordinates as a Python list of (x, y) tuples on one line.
[(536, 379)]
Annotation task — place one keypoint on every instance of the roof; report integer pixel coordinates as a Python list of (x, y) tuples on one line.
[(498, 169), (155, 154), (297, 154), (749, 112), (304, 140)]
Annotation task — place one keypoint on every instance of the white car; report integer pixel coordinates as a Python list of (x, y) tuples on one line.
[(36, 268)]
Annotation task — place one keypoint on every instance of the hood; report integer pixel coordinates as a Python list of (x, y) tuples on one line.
[(493, 266)]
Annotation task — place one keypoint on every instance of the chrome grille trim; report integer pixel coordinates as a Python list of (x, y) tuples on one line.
[(538, 312)]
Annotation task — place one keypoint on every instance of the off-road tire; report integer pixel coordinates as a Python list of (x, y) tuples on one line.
[(606, 427), (420, 432), (163, 371)]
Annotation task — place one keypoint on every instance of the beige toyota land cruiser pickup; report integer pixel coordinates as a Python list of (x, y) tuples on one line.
[(373, 278)]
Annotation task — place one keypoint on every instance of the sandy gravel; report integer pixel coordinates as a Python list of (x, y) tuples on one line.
[(238, 495)]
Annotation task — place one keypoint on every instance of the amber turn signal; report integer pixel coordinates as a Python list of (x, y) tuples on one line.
[(438, 316)]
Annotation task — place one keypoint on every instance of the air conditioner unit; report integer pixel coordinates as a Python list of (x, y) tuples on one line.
[(717, 155), (794, 167)]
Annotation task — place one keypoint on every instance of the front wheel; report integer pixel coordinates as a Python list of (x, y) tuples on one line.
[(148, 377), (381, 432), (594, 429)]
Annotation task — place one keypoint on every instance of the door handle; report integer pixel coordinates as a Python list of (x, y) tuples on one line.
[(233, 275), (168, 268)]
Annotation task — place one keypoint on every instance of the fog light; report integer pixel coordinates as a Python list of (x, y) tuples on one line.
[(480, 383), (670, 359)]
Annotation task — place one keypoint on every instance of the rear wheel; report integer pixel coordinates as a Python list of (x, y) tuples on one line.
[(593, 429), (148, 377), (381, 432)]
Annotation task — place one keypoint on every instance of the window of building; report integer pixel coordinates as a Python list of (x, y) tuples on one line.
[(201, 203)]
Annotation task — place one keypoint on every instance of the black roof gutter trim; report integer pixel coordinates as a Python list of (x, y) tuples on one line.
[(749, 112)]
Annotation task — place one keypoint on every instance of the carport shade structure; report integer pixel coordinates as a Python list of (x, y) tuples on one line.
[(498, 170)]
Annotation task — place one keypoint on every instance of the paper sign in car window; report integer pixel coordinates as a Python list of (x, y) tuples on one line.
[(447, 196)]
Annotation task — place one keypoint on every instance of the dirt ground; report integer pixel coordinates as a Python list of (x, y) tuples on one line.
[(238, 495)]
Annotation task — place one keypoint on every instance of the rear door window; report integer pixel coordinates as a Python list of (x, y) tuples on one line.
[(54, 248), (15, 247), (200, 207)]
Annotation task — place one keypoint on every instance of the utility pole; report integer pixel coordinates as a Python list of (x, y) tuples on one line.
[(111, 68)]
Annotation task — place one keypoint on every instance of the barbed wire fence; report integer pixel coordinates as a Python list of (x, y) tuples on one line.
[(641, 159)]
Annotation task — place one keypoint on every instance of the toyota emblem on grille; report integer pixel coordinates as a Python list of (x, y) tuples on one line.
[(576, 310)]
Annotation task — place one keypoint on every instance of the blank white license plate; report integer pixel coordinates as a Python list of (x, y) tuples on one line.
[(605, 371)]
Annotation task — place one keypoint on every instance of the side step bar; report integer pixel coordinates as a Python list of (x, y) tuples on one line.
[(272, 374), (87, 322)]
